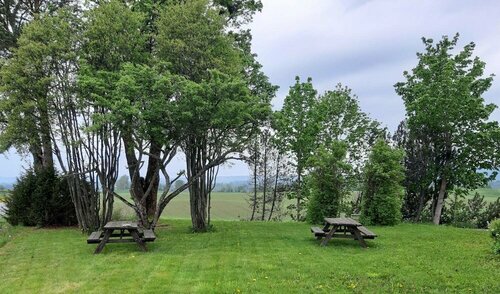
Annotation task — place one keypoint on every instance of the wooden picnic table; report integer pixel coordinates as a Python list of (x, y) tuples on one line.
[(129, 231), (342, 227)]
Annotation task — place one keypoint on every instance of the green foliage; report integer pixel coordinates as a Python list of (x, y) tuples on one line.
[(296, 131), (327, 184), (383, 191), (340, 119), (445, 110), (473, 213), (192, 40), (28, 80), (296, 123), (40, 199)]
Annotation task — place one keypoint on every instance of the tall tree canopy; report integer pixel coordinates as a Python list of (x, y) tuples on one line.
[(443, 100), (216, 110)]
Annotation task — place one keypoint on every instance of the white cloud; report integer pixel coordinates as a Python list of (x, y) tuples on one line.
[(366, 45)]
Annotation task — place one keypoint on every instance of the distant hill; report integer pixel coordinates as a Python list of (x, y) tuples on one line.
[(495, 184), (7, 182), (233, 179)]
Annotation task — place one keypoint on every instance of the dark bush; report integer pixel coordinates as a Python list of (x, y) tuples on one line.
[(40, 199)]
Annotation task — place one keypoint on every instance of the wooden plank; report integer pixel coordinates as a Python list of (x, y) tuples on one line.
[(341, 221), (124, 240), (360, 238), (317, 231), (118, 225), (95, 237), (328, 237), (149, 235), (367, 234), (138, 240), (105, 239)]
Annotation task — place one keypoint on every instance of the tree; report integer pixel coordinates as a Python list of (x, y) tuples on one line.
[(327, 182), (419, 170), (44, 114), (443, 100), (215, 105), (178, 184), (14, 14), (122, 183), (297, 129), (383, 192), (266, 164), (341, 119)]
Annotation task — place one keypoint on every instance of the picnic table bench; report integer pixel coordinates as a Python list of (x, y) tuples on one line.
[(128, 232), (342, 228)]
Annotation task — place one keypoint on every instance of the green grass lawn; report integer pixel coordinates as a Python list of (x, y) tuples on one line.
[(253, 257)]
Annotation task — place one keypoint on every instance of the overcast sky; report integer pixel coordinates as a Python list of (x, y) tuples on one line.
[(365, 45)]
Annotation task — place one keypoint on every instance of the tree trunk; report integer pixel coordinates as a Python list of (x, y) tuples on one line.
[(440, 202), (152, 178), (275, 190), (420, 205), (197, 191), (299, 192), (45, 136), (265, 181), (254, 204)]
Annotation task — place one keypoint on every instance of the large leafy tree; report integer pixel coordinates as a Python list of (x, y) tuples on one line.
[(443, 100), (216, 109), (342, 119), (297, 128)]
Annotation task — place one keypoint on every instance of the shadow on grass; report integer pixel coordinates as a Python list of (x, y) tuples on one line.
[(341, 243)]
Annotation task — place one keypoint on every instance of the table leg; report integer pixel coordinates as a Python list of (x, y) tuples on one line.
[(357, 233), (138, 239), (328, 236), (105, 239)]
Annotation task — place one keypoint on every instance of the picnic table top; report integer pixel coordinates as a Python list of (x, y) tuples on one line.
[(342, 221), (121, 225)]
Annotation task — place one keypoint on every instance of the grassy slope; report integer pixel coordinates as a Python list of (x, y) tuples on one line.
[(490, 195), (251, 257), (225, 206)]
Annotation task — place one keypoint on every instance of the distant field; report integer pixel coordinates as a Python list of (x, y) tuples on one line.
[(490, 195), (234, 206), (225, 206)]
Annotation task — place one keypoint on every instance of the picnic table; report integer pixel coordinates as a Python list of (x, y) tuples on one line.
[(342, 228), (129, 231)]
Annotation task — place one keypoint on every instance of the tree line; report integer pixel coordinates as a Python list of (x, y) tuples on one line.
[(82, 85), (330, 149)]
